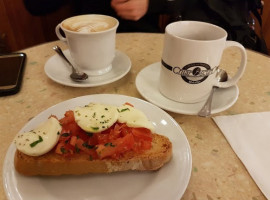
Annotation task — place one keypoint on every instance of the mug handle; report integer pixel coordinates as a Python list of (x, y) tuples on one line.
[(59, 35), (232, 81)]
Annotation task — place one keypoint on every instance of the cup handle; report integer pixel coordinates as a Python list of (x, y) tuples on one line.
[(241, 69), (59, 35)]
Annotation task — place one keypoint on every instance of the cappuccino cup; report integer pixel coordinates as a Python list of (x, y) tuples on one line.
[(190, 60), (91, 41)]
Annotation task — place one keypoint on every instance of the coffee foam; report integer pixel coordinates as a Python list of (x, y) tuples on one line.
[(89, 24)]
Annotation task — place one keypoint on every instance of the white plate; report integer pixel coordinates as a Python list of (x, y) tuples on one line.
[(57, 70), (169, 182), (147, 85)]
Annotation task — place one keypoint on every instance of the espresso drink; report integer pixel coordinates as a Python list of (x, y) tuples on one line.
[(89, 23)]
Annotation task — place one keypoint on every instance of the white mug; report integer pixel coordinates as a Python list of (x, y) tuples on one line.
[(91, 41), (191, 56)]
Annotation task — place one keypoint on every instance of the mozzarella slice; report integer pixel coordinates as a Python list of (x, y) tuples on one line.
[(134, 118), (39, 140), (96, 117)]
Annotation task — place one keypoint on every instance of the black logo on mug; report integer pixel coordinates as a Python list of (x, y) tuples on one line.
[(193, 73)]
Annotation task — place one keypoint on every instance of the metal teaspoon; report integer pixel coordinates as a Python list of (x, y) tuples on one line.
[(75, 75), (206, 109)]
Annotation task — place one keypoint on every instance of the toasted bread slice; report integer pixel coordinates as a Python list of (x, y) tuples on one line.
[(52, 164)]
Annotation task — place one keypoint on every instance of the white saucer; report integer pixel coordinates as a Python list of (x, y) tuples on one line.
[(147, 85), (57, 70)]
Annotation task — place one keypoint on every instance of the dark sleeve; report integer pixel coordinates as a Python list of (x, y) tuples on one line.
[(167, 6), (42, 7), (234, 12)]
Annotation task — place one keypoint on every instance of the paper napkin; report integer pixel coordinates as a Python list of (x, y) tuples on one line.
[(249, 136)]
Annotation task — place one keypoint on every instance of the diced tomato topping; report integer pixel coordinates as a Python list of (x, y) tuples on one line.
[(129, 104), (64, 148), (142, 133), (69, 117), (113, 142), (115, 148)]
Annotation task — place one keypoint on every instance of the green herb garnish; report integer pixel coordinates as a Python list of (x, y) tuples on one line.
[(90, 157), (40, 139), (109, 144), (95, 128), (125, 109), (88, 146), (89, 134), (63, 150), (77, 150), (122, 110), (65, 134)]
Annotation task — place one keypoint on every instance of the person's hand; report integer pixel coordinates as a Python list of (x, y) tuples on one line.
[(130, 9)]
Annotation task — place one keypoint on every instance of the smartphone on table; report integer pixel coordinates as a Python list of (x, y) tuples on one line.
[(11, 72)]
